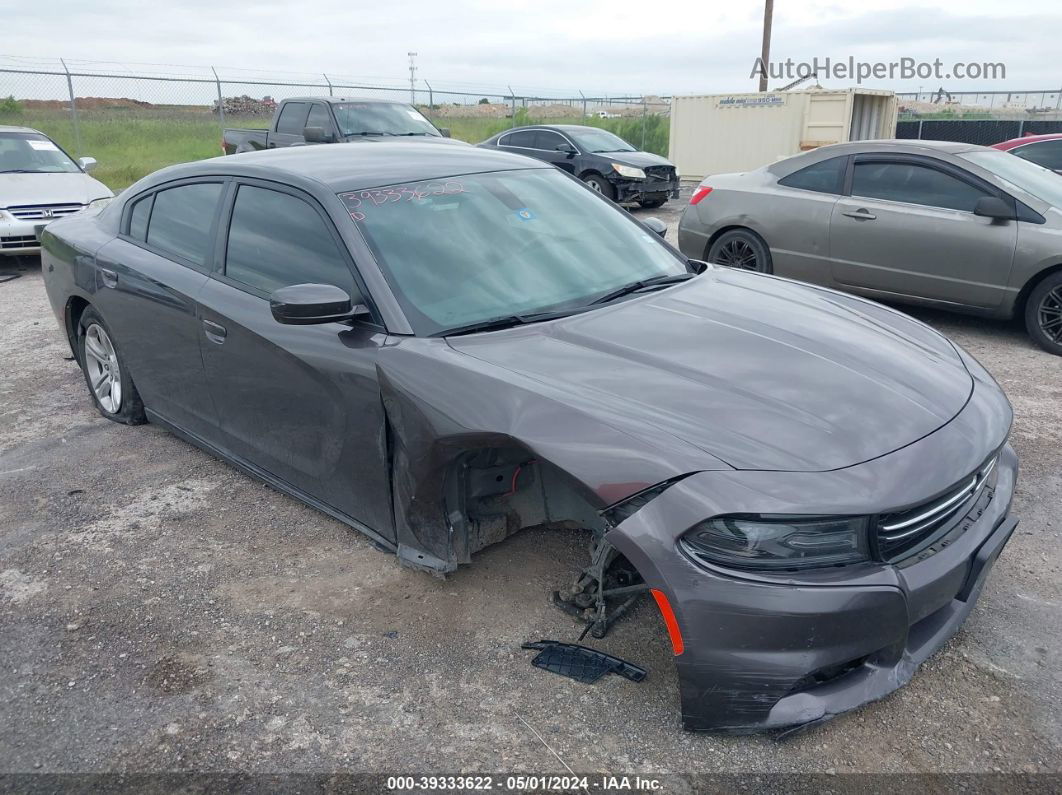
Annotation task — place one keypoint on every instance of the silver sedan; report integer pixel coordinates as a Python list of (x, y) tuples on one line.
[(948, 225)]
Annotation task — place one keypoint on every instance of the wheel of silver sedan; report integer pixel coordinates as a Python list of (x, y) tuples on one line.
[(1050, 315), (738, 253), (101, 363)]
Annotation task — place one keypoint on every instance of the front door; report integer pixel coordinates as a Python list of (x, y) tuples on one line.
[(908, 229), (547, 141), (300, 402)]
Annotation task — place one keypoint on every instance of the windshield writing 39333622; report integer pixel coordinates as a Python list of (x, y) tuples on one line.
[(357, 202)]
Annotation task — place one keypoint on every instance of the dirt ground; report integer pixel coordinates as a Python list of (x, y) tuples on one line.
[(160, 611)]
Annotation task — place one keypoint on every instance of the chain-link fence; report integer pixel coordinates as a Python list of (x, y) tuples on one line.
[(983, 132), (1021, 101), (136, 122)]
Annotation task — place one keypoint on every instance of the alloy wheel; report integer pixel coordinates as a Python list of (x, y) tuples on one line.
[(1050, 315), (595, 185), (101, 362), (738, 253)]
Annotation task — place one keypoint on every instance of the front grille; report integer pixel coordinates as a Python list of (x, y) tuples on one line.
[(665, 173), (18, 241), (44, 212), (903, 531)]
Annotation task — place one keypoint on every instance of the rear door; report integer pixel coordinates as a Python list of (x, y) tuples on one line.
[(300, 402), (291, 121), (149, 279), (908, 229)]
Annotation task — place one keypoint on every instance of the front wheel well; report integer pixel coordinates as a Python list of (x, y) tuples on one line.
[(1026, 291)]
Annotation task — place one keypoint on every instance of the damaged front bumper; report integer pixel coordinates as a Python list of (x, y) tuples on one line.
[(647, 190), (780, 651)]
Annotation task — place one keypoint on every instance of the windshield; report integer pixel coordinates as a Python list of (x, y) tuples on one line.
[(1033, 179), (381, 118), (481, 246), (33, 153), (592, 140)]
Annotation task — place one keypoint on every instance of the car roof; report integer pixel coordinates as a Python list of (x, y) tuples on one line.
[(1013, 143), (560, 127), (356, 165), (336, 100), (902, 144)]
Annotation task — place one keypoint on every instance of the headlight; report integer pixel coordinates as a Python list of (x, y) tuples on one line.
[(628, 171), (99, 204), (773, 543)]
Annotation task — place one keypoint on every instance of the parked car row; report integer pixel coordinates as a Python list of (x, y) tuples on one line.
[(442, 345)]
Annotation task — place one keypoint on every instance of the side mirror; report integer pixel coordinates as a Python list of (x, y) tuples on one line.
[(567, 149), (87, 163), (307, 304), (655, 224), (995, 208), (445, 132), (316, 135)]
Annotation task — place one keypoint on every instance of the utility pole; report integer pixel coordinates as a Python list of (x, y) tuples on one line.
[(412, 78), (765, 52)]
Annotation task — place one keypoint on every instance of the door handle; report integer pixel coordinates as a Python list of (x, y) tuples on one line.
[(214, 332), (861, 215), (109, 278)]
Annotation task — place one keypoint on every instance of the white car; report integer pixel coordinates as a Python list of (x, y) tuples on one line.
[(39, 182)]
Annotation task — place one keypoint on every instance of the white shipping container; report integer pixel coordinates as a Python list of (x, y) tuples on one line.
[(722, 133)]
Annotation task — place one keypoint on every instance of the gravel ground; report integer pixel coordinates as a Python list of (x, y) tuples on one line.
[(161, 611)]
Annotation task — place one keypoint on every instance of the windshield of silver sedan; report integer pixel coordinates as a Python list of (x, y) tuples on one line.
[(33, 153), (483, 248)]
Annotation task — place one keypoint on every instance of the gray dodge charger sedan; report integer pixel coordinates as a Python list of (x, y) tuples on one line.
[(948, 225), (441, 346)]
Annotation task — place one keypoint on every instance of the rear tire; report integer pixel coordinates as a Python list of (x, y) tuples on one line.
[(1043, 314), (741, 249), (109, 383), (599, 184)]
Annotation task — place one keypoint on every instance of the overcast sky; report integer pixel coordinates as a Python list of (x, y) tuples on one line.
[(614, 46)]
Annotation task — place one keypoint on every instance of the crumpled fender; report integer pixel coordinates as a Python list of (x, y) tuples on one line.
[(442, 404)]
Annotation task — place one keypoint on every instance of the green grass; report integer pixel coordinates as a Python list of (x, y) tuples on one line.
[(131, 143)]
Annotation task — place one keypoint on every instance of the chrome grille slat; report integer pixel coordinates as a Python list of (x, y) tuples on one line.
[(904, 530), (40, 212)]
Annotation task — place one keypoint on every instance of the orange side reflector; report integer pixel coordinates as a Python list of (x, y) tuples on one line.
[(669, 621)]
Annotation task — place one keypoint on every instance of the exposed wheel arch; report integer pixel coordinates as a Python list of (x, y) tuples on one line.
[(75, 308)]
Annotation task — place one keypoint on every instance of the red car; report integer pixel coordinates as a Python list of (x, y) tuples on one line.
[(1044, 150)]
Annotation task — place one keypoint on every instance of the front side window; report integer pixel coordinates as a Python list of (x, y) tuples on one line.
[(276, 240), (382, 118), (1047, 154), (182, 219), (292, 118), (481, 246), (33, 153), (319, 117), (913, 184), (549, 140), (825, 176)]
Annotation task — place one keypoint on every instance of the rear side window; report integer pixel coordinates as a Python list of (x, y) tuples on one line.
[(823, 177), (524, 138), (914, 184), (276, 239), (182, 220), (292, 118), (138, 218), (1047, 154)]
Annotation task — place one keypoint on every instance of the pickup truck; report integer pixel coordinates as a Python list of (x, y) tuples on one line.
[(330, 120)]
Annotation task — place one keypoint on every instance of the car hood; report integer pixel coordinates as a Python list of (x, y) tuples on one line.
[(760, 372), (638, 159), (80, 188)]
